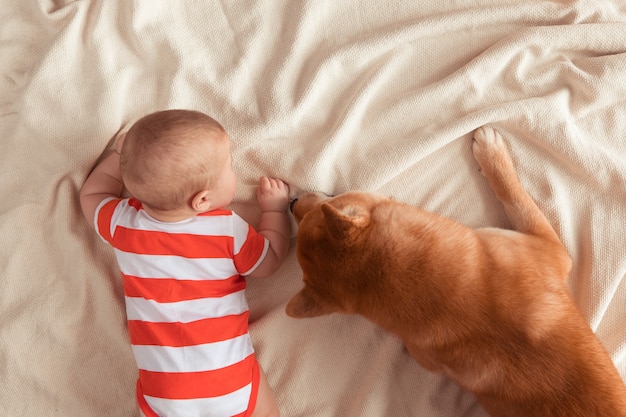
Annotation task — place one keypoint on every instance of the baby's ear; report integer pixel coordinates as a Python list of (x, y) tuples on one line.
[(304, 305), (201, 202)]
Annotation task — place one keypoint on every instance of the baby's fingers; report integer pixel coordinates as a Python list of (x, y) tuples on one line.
[(268, 184)]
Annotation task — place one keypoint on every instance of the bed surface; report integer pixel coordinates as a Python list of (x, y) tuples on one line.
[(329, 96)]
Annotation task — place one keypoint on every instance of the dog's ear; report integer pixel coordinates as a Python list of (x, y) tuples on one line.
[(304, 305), (345, 223)]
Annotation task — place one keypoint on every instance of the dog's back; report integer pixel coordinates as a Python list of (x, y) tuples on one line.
[(488, 308)]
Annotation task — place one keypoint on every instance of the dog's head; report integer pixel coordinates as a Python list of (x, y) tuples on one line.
[(334, 250)]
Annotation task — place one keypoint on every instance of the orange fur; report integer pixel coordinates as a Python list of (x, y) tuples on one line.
[(487, 307)]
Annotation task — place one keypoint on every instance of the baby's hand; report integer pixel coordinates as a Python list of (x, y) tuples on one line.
[(272, 195)]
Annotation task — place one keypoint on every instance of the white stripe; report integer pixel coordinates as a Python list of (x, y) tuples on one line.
[(240, 232), (228, 405), (130, 218), (197, 358), (177, 267), (185, 311), (122, 210)]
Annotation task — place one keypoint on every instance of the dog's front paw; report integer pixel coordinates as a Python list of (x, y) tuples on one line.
[(489, 149)]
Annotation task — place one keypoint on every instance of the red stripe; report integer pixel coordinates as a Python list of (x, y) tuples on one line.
[(256, 380), (250, 252), (169, 290), (188, 334), (177, 244), (218, 212), (104, 219), (136, 204), (193, 385)]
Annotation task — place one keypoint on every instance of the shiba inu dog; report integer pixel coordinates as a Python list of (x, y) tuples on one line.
[(487, 307)]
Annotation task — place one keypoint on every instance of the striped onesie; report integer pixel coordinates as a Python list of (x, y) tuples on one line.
[(186, 308)]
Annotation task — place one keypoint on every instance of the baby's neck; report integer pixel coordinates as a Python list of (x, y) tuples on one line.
[(170, 216)]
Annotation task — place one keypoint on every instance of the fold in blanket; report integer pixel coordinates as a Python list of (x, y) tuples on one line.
[(329, 96)]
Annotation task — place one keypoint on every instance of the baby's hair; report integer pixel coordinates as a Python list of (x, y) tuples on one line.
[(168, 156)]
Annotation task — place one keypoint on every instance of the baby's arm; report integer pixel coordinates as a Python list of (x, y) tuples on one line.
[(273, 198), (104, 181)]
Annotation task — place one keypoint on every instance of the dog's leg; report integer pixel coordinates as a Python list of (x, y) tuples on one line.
[(492, 155)]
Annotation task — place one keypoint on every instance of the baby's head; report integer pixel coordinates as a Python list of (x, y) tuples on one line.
[(171, 158)]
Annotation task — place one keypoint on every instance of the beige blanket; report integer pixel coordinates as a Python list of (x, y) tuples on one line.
[(328, 95)]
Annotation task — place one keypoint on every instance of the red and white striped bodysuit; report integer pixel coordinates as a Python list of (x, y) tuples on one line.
[(186, 308)]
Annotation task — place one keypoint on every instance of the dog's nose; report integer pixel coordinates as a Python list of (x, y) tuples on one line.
[(291, 204)]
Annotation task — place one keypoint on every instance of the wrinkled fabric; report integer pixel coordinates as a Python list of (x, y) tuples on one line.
[(329, 96)]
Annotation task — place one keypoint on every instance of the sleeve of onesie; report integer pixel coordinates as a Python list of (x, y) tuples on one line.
[(250, 247), (103, 219)]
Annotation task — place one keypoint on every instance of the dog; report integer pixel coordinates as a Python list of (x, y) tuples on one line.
[(487, 307)]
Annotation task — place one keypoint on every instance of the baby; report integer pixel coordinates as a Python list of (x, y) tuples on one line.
[(183, 258)]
